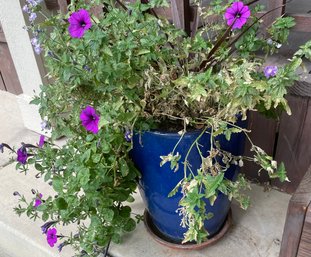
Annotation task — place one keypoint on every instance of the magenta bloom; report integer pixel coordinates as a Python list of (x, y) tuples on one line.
[(80, 21), (41, 141), (38, 201), (237, 13), (90, 119), (51, 236), (22, 155), (270, 71)]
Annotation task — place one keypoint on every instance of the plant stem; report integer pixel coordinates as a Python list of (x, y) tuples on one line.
[(192, 145), (203, 65), (107, 248), (181, 137), (122, 5)]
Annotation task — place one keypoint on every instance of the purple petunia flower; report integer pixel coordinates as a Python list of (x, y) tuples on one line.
[(45, 124), (22, 155), (34, 41), (270, 71), (90, 119), (51, 236), (128, 135), (38, 49), (237, 14), (46, 226), (41, 141), (25, 9), (80, 21), (38, 201), (32, 16), (87, 68)]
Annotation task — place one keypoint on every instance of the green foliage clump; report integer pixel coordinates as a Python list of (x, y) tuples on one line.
[(140, 72)]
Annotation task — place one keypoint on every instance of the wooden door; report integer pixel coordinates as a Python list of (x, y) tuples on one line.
[(8, 77)]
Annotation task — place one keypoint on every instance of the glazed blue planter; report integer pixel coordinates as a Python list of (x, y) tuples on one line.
[(157, 182)]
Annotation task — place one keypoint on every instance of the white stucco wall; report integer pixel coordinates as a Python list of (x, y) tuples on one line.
[(12, 20)]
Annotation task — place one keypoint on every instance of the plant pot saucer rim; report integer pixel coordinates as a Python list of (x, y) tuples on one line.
[(156, 235)]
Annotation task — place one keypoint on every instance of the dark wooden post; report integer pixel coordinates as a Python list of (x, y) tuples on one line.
[(297, 229), (279, 10), (63, 6), (181, 12)]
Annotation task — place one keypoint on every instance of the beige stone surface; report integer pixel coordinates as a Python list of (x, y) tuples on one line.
[(12, 129), (255, 233)]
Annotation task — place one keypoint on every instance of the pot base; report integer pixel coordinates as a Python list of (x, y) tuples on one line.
[(164, 240)]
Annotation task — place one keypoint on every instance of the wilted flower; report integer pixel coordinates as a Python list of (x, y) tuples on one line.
[(90, 119), (46, 226), (237, 14), (278, 45), (60, 246), (16, 193), (80, 21)]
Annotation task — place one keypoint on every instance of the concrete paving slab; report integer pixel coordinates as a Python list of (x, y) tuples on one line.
[(255, 233), (12, 130), (21, 231)]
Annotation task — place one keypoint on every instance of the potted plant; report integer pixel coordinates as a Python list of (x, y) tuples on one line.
[(118, 81)]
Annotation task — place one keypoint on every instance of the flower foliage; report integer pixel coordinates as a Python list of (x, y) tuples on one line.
[(126, 70)]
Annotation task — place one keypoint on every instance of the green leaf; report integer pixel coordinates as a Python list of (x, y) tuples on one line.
[(116, 238), (83, 176), (125, 211), (96, 158), (130, 199), (45, 216), (107, 51), (212, 183), (38, 167), (58, 184), (108, 214), (281, 172), (89, 138), (124, 168), (143, 51), (61, 204), (130, 225), (175, 190), (36, 101), (86, 156)]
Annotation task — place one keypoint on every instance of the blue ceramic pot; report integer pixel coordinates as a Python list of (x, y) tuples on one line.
[(157, 182)]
